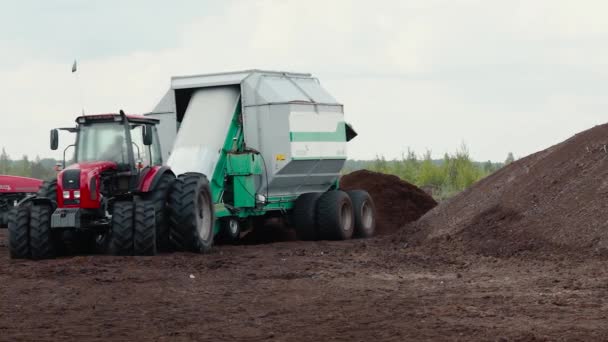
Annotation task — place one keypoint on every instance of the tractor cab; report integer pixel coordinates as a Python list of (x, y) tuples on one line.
[(128, 141)]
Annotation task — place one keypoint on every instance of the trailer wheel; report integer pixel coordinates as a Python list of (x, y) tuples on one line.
[(42, 244), (335, 217), (19, 233), (49, 190), (159, 198), (121, 234), (365, 213), (192, 214), (303, 216), (144, 232), (230, 230)]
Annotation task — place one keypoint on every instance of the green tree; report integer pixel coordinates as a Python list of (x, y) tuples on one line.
[(5, 163), (37, 169), (430, 175), (23, 167), (509, 159)]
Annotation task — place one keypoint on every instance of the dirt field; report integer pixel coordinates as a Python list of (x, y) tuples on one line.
[(296, 291), (519, 256)]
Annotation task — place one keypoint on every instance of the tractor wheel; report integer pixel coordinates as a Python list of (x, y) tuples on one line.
[(42, 242), (144, 232), (303, 216), (335, 217), (121, 235), (49, 190), (230, 230), (3, 219), (365, 213), (192, 214), (19, 232), (159, 198)]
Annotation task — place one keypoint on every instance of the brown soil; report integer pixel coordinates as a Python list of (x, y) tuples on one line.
[(397, 201), (358, 290), (518, 257), (554, 201)]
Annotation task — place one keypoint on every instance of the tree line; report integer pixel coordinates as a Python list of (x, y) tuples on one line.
[(442, 178), (37, 168)]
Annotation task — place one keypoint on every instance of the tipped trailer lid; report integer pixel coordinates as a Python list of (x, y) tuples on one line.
[(297, 127)]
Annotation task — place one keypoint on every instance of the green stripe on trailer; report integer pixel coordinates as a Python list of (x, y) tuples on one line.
[(338, 135)]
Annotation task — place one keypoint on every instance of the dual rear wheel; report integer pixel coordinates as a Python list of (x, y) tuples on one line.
[(334, 215)]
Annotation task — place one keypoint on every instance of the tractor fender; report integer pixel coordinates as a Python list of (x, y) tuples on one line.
[(34, 199), (152, 176)]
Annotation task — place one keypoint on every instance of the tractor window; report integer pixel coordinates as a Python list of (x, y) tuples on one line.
[(102, 141), (149, 155)]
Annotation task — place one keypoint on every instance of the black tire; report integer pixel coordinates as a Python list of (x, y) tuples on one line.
[(42, 243), (4, 219), (144, 231), (49, 190), (335, 217), (303, 216), (159, 197), (121, 235), (192, 217), (19, 232), (365, 213), (230, 230)]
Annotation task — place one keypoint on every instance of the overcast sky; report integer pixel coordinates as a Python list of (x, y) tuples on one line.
[(501, 76)]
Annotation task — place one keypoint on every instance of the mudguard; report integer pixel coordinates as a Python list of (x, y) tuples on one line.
[(151, 177)]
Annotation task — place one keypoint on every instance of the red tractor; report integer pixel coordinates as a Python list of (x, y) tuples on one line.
[(116, 197), (13, 189)]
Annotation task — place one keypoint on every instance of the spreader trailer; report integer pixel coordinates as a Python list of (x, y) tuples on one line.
[(269, 144)]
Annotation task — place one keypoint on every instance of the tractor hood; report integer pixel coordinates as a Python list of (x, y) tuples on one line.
[(78, 185)]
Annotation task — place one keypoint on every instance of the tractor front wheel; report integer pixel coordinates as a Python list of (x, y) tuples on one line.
[(19, 232), (159, 198), (144, 232), (42, 242), (121, 234)]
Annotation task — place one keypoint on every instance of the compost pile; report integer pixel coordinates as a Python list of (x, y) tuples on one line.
[(553, 201), (397, 202)]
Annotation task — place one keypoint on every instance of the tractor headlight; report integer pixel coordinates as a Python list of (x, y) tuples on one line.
[(66, 195), (77, 194)]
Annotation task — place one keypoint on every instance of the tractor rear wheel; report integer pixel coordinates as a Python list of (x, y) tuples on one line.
[(42, 242), (192, 214), (121, 234), (19, 232), (365, 213), (49, 190), (335, 217), (159, 198), (304, 214), (144, 232)]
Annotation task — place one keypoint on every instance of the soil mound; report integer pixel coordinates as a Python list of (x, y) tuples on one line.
[(397, 202), (555, 200)]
